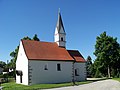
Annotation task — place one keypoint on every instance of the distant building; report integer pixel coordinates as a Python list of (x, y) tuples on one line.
[(11, 69), (1, 70), (49, 62)]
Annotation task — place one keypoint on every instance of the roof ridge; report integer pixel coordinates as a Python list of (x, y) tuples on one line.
[(38, 41)]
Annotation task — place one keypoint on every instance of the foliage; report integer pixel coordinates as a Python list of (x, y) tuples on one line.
[(107, 51), (118, 79), (2, 64), (26, 38), (89, 66), (36, 38), (13, 54), (8, 75)]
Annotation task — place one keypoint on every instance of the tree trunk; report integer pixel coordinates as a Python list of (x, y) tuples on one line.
[(108, 71)]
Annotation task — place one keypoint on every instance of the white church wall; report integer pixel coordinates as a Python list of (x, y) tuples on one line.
[(56, 36), (81, 71), (51, 75), (61, 44), (59, 35), (22, 64), (62, 36)]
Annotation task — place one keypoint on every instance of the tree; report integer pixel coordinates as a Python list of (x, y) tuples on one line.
[(89, 66), (13, 54), (107, 54), (36, 38), (26, 38), (2, 64)]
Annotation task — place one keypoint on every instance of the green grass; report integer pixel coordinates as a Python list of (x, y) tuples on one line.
[(13, 86), (118, 79)]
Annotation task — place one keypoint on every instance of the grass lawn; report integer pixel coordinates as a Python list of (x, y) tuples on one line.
[(13, 86), (118, 79)]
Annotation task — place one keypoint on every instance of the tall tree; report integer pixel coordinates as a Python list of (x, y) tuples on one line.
[(107, 53), (89, 66), (36, 38)]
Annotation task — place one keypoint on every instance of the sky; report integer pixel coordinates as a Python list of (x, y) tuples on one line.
[(83, 21)]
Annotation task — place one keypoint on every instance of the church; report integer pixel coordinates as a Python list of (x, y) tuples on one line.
[(40, 62)]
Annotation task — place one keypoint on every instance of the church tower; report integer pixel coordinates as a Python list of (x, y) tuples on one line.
[(60, 35)]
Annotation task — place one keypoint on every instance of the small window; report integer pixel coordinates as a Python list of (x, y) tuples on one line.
[(61, 38), (58, 67), (46, 67), (77, 72)]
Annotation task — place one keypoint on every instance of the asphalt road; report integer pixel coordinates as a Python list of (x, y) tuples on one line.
[(99, 85)]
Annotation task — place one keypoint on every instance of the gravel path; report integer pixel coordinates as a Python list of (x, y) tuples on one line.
[(99, 85)]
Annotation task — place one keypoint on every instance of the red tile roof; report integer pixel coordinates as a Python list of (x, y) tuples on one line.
[(37, 50), (76, 55)]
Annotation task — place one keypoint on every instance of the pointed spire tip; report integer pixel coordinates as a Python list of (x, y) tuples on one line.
[(59, 9)]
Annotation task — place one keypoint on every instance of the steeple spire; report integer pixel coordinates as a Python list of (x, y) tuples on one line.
[(59, 10), (60, 35), (59, 22)]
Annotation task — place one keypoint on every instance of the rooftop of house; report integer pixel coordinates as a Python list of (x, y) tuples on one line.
[(38, 50)]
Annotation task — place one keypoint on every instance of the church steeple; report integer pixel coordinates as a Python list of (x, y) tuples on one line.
[(60, 35), (59, 22)]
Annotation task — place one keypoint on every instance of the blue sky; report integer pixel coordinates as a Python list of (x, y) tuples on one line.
[(83, 21)]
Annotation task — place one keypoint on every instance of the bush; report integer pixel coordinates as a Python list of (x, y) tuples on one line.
[(1, 75), (98, 74), (4, 77)]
